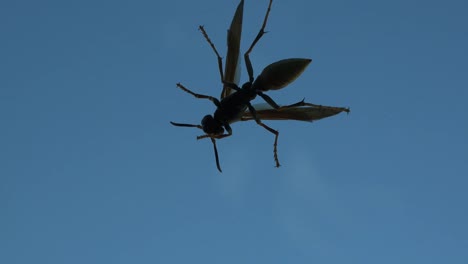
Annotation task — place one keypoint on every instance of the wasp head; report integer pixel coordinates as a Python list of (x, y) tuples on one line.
[(212, 126)]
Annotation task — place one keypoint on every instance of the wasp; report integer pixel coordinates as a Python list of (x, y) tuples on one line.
[(235, 102)]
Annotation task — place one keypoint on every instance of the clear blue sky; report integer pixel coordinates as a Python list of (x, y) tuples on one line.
[(91, 171)]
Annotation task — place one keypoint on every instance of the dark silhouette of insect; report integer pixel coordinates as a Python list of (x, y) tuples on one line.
[(235, 101)]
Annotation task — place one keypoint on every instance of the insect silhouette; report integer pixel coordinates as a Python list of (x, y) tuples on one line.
[(234, 104)]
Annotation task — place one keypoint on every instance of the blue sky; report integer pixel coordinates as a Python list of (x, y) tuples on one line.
[(92, 172)]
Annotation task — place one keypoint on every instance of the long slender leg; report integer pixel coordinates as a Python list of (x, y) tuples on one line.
[(231, 85), (201, 96), (275, 144), (220, 60), (228, 129), (259, 35), (268, 100), (214, 136), (216, 154)]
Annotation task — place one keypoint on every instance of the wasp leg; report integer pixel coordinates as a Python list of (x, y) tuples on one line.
[(220, 60), (259, 35), (268, 100), (275, 144), (214, 136), (229, 133), (211, 98), (232, 85)]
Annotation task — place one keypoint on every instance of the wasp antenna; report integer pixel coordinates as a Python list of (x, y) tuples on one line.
[(202, 137), (185, 125), (216, 154)]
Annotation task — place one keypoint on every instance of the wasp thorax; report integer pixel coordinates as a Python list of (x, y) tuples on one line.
[(211, 126), (247, 85)]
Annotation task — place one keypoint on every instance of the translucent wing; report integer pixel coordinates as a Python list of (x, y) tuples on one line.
[(281, 73), (303, 112), (232, 68)]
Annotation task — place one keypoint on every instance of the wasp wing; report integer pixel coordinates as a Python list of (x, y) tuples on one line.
[(232, 68), (305, 112), (281, 73)]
